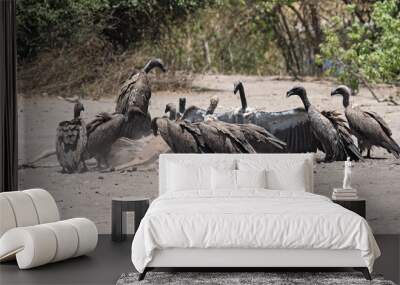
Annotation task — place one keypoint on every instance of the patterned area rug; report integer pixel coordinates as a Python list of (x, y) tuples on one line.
[(268, 278)]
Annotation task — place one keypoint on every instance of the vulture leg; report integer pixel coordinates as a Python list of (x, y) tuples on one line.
[(369, 153), (102, 162), (82, 167)]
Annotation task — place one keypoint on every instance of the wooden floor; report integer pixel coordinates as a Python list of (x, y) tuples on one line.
[(110, 260)]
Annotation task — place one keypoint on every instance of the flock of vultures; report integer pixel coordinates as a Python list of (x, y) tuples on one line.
[(243, 130)]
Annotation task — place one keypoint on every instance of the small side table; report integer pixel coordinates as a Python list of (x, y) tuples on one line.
[(139, 205), (357, 206)]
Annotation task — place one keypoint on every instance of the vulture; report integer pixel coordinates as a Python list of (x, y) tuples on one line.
[(178, 138), (331, 134), (252, 137), (194, 114), (136, 92), (105, 129), (292, 126), (171, 109), (369, 128), (71, 142), (213, 136)]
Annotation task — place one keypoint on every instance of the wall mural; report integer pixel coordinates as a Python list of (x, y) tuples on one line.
[(97, 106)]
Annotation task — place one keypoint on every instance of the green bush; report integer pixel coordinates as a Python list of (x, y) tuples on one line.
[(51, 23), (365, 50), (45, 24)]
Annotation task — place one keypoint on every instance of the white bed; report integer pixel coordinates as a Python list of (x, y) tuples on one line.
[(248, 227)]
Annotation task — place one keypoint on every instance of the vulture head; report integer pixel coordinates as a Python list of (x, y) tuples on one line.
[(301, 92), (341, 90), (171, 108), (78, 108), (155, 62), (344, 91), (237, 86), (297, 90), (214, 100)]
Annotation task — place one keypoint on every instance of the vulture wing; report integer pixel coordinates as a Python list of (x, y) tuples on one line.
[(193, 114), (139, 126), (344, 133), (97, 121), (262, 140), (234, 134), (381, 121), (123, 97), (291, 126), (195, 132)]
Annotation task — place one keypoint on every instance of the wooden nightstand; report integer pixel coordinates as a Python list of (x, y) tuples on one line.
[(357, 206)]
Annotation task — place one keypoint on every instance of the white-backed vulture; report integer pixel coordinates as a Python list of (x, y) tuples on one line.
[(291, 126), (369, 128), (328, 132), (213, 136), (178, 138), (71, 141)]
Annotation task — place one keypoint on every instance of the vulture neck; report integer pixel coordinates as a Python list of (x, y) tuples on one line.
[(305, 101), (152, 64), (243, 98), (211, 109), (77, 113), (346, 100), (182, 106), (172, 113)]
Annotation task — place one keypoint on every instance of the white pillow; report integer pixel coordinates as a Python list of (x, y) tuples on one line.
[(193, 175), (187, 178), (223, 179), (282, 174), (290, 179), (251, 178)]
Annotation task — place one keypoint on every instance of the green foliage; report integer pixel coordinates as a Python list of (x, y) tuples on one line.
[(51, 23), (367, 51), (227, 36), (224, 38), (45, 24)]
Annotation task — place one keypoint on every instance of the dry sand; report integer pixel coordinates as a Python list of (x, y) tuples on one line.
[(89, 194)]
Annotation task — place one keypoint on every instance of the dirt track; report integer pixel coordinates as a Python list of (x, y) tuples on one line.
[(89, 194)]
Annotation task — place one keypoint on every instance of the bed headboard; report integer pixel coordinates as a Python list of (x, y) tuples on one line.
[(208, 159)]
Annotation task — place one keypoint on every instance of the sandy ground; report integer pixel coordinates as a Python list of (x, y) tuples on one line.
[(89, 194)]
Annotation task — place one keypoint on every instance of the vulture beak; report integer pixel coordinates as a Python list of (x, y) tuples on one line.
[(290, 93), (166, 110), (335, 92)]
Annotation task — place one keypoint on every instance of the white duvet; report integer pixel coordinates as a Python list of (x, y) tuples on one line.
[(250, 219)]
